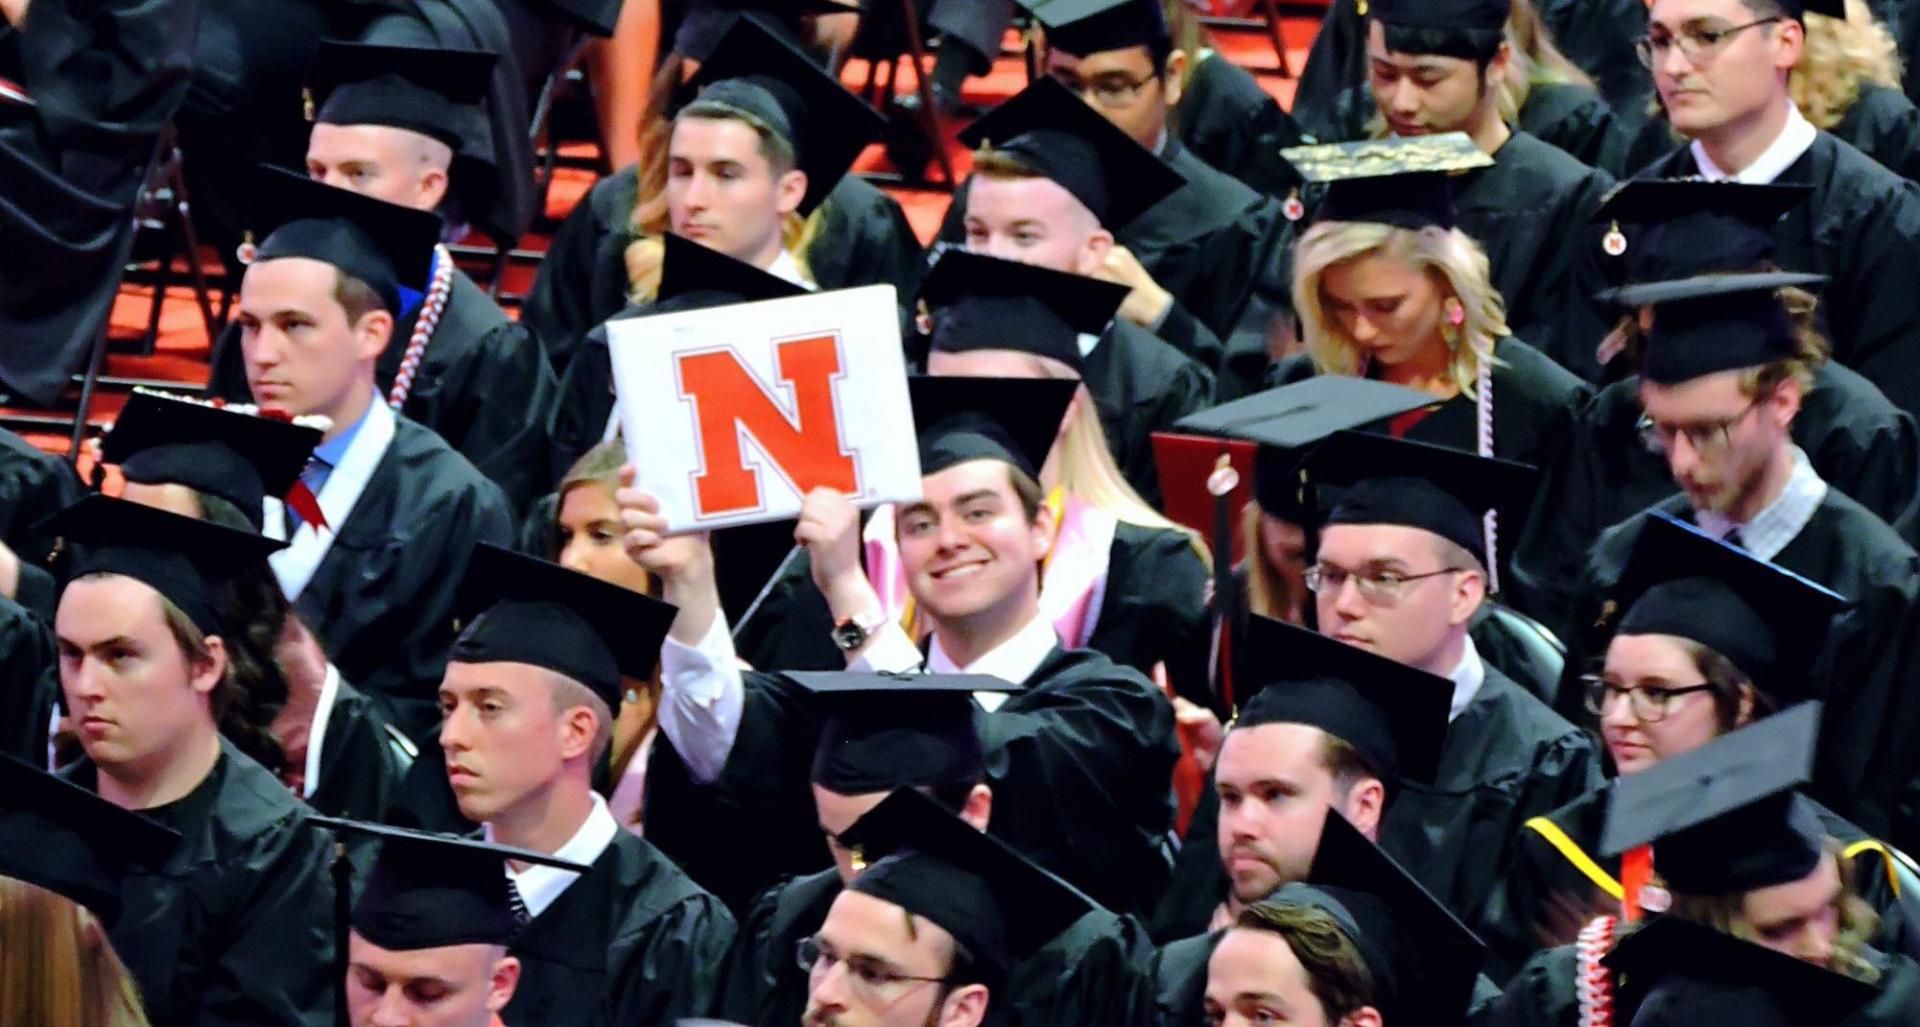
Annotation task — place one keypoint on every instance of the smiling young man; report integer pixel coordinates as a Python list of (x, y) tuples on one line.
[(144, 674), (403, 510), (528, 698), (1721, 68)]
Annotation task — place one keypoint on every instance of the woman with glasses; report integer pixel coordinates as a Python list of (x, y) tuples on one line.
[(1711, 639)]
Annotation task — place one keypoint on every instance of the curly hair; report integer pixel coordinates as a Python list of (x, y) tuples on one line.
[(1842, 56), (1858, 921)]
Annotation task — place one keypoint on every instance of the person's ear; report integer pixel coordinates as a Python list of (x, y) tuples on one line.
[(1365, 1016), (433, 188), (1174, 78), (1790, 42), (1364, 804), (1469, 591), (978, 809), (1785, 403), (371, 334), (578, 725), (204, 673), (1042, 532), (789, 191), (966, 1006), (1093, 252), (1499, 66), (506, 978)]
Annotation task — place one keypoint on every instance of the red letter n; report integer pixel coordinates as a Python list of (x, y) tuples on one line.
[(729, 403)]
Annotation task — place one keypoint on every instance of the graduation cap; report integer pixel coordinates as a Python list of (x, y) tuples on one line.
[(1082, 27), (242, 458), (385, 245), (887, 731), (67, 839), (1486, 15), (998, 905), (1768, 620), (1439, 489), (521, 609), (1057, 134), (433, 91), (1401, 181), (695, 277), (703, 25), (1014, 420), (1424, 961), (980, 302), (1675, 973), (1694, 226), (429, 890), (183, 558), (1725, 819), (1392, 714), (1712, 323), (755, 71), (1831, 8)]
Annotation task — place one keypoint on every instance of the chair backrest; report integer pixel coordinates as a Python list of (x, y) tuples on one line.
[(1520, 647)]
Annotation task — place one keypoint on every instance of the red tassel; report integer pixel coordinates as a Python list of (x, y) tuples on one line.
[(1636, 872), (307, 505)]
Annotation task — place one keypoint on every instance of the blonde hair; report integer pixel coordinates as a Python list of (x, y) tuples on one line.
[(1267, 592), (57, 968), (1533, 60), (1841, 57)]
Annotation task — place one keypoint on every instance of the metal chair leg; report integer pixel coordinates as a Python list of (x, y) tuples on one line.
[(929, 116)]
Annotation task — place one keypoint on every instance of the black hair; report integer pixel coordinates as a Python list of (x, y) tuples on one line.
[(1477, 45)]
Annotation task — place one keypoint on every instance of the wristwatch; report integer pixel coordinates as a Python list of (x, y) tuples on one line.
[(852, 633)]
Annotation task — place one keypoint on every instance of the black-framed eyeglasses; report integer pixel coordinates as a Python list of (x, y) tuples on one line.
[(1649, 703), (1706, 439), (1697, 43), (1110, 90), (873, 981), (1377, 587)]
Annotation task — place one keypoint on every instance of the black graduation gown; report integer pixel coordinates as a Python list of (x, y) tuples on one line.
[(361, 761), (863, 239), (1336, 64), (1079, 977), (33, 486), (106, 78), (1576, 120), (29, 683), (1142, 384), (1154, 612), (1865, 767), (381, 600), (479, 386), (1856, 440), (237, 927), (1227, 120), (631, 941), (1862, 227), (1079, 762), (1508, 758), (1884, 125), (1597, 36)]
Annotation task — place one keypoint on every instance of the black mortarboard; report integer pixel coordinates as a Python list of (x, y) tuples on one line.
[(430, 890), (1404, 182), (1014, 420), (1830, 8), (433, 91), (69, 840), (385, 245), (694, 277), (981, 302), (1059, 136), (755, 71), (887, 731), (1424, 961), (1287, 420), (1694, 226), (1712, 323), (1082, 27), (1771, 622), (1725, 818), (1392, 714), (1396, 481), (1675, 973), (241, 458), (998, 905), (182, 558), (521, 609), (702, 25), (1486, 15)]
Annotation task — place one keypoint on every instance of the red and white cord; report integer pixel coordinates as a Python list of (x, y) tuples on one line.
[(1593, 983), (431, 308)]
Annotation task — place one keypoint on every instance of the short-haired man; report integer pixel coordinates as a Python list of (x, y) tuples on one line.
[(402, 509), (144, 672), (528, 700), (1721, 387), (1721, 68)]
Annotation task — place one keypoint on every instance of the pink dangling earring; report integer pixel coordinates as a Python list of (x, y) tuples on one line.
[(1456, 313)]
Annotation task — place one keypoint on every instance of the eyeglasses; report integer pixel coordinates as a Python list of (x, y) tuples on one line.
[(872, 981), (1109, 91), (1697, 43), (1706, 439), (1649, 703), (1381, 588)]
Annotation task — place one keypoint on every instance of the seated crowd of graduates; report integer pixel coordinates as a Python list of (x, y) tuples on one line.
[(1569, 676)]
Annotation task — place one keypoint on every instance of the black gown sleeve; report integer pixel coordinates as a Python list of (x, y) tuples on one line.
[(1155, 610), (666, 966), (864, 239), (29, 683), (1884, 125), (578, 285)]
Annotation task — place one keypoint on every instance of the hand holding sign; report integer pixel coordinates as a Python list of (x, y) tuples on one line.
[(733, 414)]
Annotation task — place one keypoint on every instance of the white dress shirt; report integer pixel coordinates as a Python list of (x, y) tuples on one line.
[(701, 696), (1467, 677), (539, 885), (1790, 145)]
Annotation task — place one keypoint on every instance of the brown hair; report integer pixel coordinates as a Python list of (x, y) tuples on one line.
[(57, 968), (1731, 685), (1858, 921), (994, 163), (1811, 350), (1346, 764), (355, 297), (1268, 592), (1336, 974)]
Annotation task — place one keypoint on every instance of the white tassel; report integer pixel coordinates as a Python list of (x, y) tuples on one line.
[(1485, 449)]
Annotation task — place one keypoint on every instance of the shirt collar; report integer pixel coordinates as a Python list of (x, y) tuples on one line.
[(1014, 660), (539, 884), (786, 268), (1794, 140), (1467, 677), (334, 450), (1773, 527)]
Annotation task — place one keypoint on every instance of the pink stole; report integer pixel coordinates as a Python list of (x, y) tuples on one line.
[(1073, 581)]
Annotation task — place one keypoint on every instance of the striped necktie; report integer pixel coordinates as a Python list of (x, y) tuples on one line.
[(519, 905)]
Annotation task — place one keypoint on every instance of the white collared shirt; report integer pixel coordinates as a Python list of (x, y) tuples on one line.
[(1772, 528), (785, 267), (1013, 661), (317, 731), (1467, 677), (540, 885), (1790, 145)]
